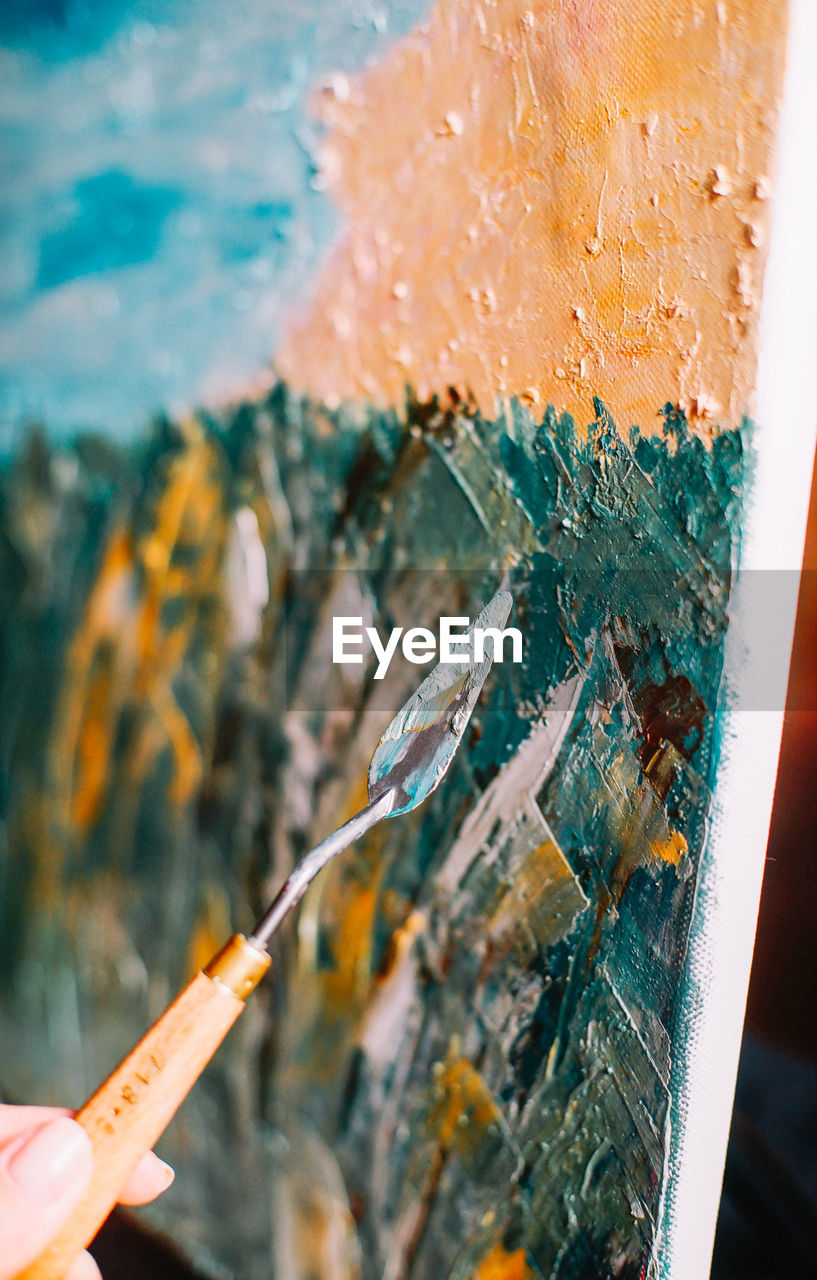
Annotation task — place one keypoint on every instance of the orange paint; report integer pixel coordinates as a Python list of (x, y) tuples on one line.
[(351, 948), (463, 1106), (548, 200), (499, 1264), (670, 848), (212, 926)]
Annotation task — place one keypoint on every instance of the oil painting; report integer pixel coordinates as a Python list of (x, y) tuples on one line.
[(371, 311)]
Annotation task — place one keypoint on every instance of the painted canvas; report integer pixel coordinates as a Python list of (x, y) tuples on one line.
[(507, 261)]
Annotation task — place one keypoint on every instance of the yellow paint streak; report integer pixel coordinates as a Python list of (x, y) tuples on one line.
[(351, 947), (90, 716), (356, 799), (670, 849), (125, 656), (543, 897), (647, 836), (640, 818), (499, 1264), (346, 894), (212, 927), (563, 211), (463, 1106)]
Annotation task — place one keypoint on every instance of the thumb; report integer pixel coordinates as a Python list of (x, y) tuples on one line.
[(43, 1172)]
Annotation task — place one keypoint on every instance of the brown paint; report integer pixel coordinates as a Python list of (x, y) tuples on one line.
[(672, 712), (552, 201)]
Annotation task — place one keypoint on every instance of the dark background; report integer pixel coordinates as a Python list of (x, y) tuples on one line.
[(767, 1226)]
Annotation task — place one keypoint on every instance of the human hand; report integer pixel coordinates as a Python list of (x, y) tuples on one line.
[(45, 1163)]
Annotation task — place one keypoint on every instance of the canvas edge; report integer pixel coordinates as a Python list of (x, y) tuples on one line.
[(726, 906)]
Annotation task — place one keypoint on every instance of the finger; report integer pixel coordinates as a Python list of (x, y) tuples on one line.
[(83, 1268), (14, 1120), (43, 1172), (149, 1179)]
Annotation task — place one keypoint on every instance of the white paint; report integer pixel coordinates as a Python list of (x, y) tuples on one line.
[(247, 577), (515, 786), (387, 1014), (726, 907)]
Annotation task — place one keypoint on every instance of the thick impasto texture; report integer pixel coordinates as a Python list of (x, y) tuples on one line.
[(463, 1065), (553, 200)]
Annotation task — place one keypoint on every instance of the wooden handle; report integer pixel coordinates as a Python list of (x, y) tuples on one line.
[(128, 1113)]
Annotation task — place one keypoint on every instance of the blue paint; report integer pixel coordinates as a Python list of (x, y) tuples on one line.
[(53, 26), (118, 223), (161, 210)]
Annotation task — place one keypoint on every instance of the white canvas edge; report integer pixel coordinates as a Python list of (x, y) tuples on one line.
[(726, 906)]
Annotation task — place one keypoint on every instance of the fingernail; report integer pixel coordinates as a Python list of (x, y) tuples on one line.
[(52, 1159), (168, 1172)]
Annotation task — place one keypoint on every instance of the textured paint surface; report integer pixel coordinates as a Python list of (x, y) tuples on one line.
[(554, 201), (463, 1062)]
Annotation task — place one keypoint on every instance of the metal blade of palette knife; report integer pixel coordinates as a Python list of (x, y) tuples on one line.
[(416, 749), (411, 757)]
